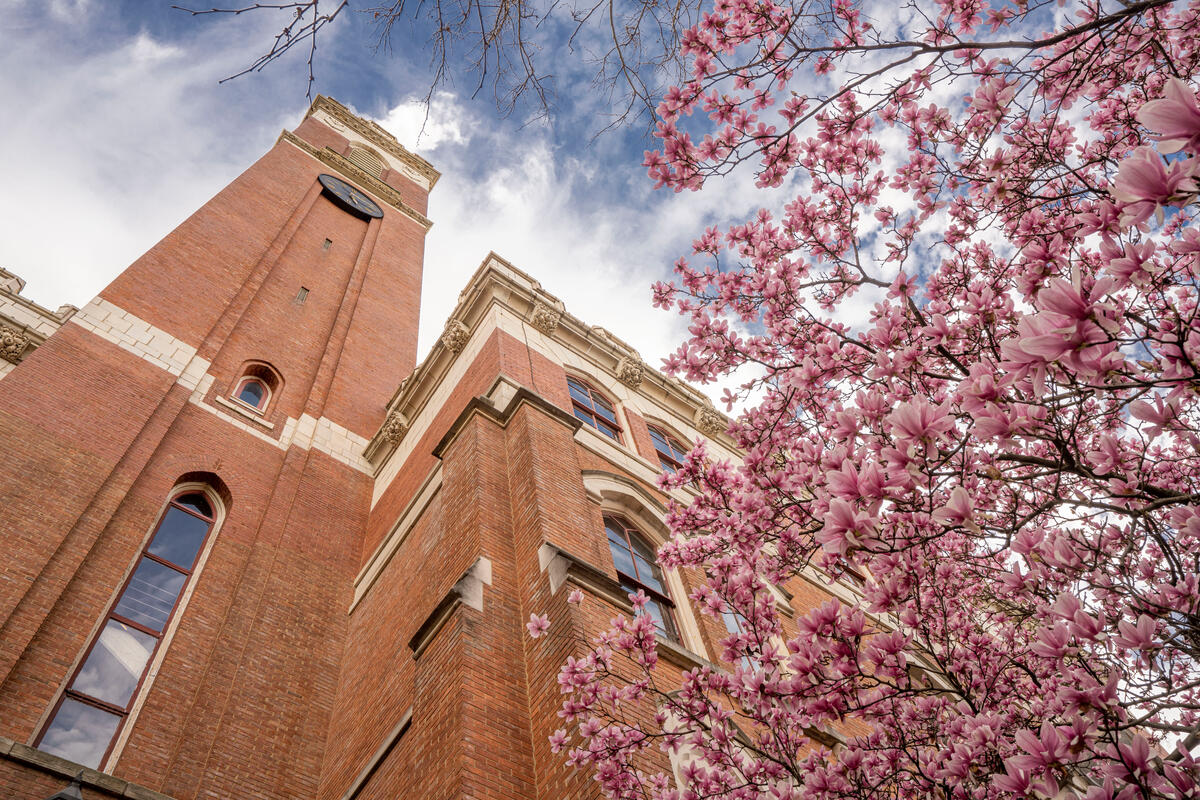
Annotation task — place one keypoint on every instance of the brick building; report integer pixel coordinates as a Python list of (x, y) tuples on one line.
[(251, 549)]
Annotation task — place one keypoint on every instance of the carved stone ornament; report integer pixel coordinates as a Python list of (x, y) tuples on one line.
[(455, 335), (630, 371), (394, 428), (12, 343), (544, 317), (710, 422)]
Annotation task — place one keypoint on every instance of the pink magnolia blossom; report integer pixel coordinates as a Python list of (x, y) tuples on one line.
[(537, 625), (1145, 183), (1175, 118)]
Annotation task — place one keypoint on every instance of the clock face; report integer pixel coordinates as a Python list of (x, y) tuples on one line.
[(348, 197)]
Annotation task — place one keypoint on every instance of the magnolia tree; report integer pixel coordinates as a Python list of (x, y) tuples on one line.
[(970, 315)]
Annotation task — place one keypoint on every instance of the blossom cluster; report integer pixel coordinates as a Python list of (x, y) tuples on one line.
[(978, 388)]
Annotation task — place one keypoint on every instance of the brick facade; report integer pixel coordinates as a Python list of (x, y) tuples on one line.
[(356, 629)]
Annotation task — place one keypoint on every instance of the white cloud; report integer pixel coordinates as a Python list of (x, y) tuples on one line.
[(112, 145), (420, 127)]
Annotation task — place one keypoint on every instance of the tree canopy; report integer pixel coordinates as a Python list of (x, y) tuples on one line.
[(968, 313)]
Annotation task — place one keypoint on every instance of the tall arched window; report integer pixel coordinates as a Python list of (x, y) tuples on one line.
[(638, 568), (105, 685), (593, 408)]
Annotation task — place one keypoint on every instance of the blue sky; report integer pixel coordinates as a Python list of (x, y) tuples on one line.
[(117, 129)]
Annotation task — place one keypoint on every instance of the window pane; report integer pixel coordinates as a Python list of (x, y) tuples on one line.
[(615, 531), (197, 502), (604, 428), (151, 594), (622, 559), (660, 443), (642, 548), (579, 393), (252, 392), (115, 665), (584, 416), (666, 466), (662, 620), (649, 574), (179, 537), (603, 409), (80, 733)]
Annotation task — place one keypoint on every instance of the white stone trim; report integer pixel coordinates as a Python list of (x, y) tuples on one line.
[(243, 411), (323, 116), (499, 316), (135, 335)]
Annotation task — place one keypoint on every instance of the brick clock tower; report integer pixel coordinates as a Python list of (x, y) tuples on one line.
[(184, 489), (250, 549)]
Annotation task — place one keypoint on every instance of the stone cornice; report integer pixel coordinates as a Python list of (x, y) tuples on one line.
[(364, 179), (375, 135), (499, 283)]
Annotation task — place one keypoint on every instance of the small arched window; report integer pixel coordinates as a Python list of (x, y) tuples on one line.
[(593, 408), (637, 568), (106, 683), (670, 452), (253, 392), (257, 385)]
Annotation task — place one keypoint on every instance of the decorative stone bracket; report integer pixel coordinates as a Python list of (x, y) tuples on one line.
[(711, 422), (13, 343), (545, 317), (631, 370), (455, 335), (394, 428)]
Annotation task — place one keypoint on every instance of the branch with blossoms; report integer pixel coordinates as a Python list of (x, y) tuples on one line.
[(976, 324)]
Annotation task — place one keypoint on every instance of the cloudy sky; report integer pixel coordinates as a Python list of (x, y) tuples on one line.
[(117, 129)]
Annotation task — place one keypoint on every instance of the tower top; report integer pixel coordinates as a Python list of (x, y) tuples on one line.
[(371, 135)]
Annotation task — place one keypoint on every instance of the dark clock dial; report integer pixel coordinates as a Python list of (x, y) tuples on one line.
[(348, 197)]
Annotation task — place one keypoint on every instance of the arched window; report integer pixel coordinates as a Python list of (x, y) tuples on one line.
[(253, 392), (670, 452), (638, 568), (255, 388), (105, 685), (593, 408)]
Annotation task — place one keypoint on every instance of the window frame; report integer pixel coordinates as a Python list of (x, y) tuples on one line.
[(265, 376), (673, 632), (589, 413), (667, 461), (161, 637), (236, 395)]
